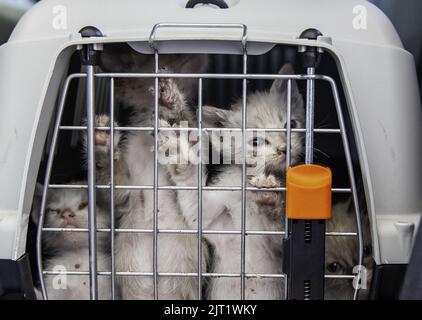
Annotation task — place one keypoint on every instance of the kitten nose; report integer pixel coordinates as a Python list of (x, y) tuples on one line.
[(68, 214), (101, 138)]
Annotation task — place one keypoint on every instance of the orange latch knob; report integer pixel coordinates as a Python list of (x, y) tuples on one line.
[(308, 194)]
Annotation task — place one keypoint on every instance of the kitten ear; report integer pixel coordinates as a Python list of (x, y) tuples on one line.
[(280, 85), (122, 58), (36, 203), (213, 117)]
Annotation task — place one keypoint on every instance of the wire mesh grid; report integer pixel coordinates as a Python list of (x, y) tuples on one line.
[(90, 76)]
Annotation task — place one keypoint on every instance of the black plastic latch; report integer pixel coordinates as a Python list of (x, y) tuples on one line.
[(89, 53), (311, 56), (219, 3), (303, 262)]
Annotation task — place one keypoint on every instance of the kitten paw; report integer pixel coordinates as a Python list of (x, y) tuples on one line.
[(169, 93), (102, 140), (266, 198), (102, 137)]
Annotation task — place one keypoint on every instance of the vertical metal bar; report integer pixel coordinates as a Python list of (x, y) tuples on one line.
[(92, 226), (288, 141), (288, 163), (309, 154), (47, 177), (200, 189), (288, 124), (305, 245), (351, 177), (112, 215), (155, 222), (243, 181)]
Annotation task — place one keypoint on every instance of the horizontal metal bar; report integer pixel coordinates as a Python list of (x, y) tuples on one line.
[(83, 128), (184, 231), (149, 129), (233, 76), (185, 274), (339, 277), (168, 231), (222, 188)]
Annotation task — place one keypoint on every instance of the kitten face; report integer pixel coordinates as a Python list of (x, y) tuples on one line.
[(266, 152), (68, 208), (268, 110), (341, 254)]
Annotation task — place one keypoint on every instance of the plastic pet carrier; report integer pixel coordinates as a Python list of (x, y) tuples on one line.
[(69, 61)]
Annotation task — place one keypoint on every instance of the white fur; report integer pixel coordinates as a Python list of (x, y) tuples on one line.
[(177, 253), (222, 209), (67, 209)]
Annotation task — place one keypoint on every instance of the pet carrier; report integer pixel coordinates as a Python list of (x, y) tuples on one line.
[(349, 49)]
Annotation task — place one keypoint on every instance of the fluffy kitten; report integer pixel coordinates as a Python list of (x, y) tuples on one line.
[(222, 209), (342, 252), (177, 253), (68, 208)]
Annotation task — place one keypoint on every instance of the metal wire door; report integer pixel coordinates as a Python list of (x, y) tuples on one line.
[(90, 77)]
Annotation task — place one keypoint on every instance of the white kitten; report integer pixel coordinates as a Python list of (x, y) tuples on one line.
[(177, 253), (222, 210), (68, 208)]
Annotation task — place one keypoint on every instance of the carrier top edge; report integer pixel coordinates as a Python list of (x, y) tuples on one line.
[(283, 20)]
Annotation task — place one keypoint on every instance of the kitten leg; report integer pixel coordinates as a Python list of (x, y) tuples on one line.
[(264, 214), (102, 160), (180, 162)]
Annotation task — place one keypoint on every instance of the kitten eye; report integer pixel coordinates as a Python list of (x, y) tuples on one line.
[(257, 142), (334, 267), (83, 205), (53, 211), (293, 124)]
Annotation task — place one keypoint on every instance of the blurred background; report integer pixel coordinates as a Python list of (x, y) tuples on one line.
[(405, 15)]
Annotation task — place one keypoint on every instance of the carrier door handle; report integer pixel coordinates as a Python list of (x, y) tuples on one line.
[(243, 27), (219, 3)]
